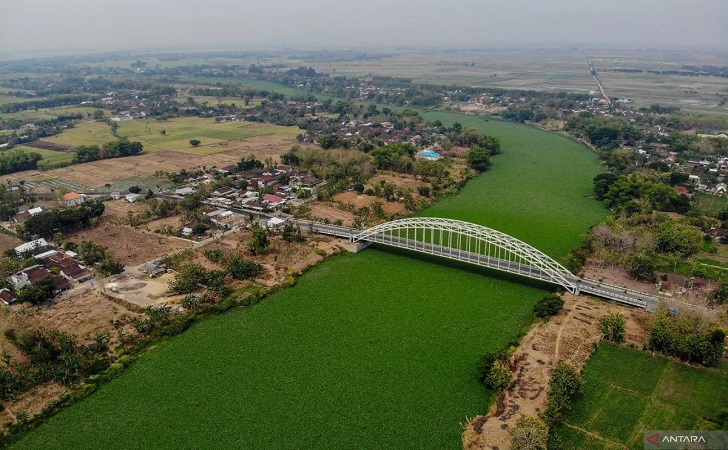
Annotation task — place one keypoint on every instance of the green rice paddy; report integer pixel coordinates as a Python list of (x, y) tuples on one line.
[(628, 392)]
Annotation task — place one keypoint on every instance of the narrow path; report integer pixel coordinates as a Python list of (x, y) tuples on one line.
[(596, 436)]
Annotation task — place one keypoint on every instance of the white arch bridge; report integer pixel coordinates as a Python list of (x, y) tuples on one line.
[(482, 246)]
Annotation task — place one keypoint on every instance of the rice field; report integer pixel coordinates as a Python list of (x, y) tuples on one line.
[(628, 392)]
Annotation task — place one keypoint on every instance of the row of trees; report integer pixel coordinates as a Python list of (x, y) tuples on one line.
[(689, 338), (113, 149), (17, 161)]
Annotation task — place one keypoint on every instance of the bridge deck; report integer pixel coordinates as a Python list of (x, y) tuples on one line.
[(569, 281)]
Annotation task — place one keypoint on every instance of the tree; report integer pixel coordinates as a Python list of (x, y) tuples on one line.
[(36, 293), (530, 433), (566, 383), (259, 241), (134, 189), (195, 142), (189, 277), (679, 238), (612, 327), (242, 269), (478, 159), (548, 306)]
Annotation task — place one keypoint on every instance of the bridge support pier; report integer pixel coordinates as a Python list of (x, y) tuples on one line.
[(355, 247)]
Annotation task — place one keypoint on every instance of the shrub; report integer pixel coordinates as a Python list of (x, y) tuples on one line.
[(612, 326), (548, 306), (493, 369), (530, 433), (565, 385)]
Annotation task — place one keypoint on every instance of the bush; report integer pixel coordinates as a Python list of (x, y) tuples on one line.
[(493, 369), (564, 387), (612, 326), (548, 306), (530, 433)]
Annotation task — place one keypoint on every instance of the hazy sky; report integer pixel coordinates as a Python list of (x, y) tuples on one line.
[(51, 25)]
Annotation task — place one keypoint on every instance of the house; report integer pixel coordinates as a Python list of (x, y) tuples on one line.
[(273, 200), (187, 231), (37, 245), (681, 190), (115, 195), (275, 222), (254, 204), (37, 273), (131, 198), (22, 216), (71, 199), (225, 192), (7, 296), (67, 266), (185, 191), (154, 268)]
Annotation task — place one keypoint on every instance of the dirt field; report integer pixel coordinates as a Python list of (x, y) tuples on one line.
[(98, 173), (7, 241), (130, 246), (568, 337), (81, 315)]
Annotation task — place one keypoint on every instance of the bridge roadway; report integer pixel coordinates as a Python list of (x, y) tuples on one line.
[(582, 285)]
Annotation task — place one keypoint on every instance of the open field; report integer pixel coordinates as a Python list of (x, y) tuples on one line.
[(85, 133), (98, 173), (130, 246), (627, 392), (554, 70), (373, 363), (225, 100), (536, 190), (179, 131)]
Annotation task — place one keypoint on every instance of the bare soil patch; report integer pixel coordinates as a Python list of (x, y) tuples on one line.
[(320, 211), (567, 337), (7, 241), (365, 200), (130, 246), (118, 209)]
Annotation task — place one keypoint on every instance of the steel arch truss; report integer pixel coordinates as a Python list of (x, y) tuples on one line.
[(475, 244)]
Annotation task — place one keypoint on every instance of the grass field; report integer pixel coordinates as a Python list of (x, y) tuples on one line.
[(385, 360), (710, 203), (84, 133), (179, 132), (628, 392), (536, 190)]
